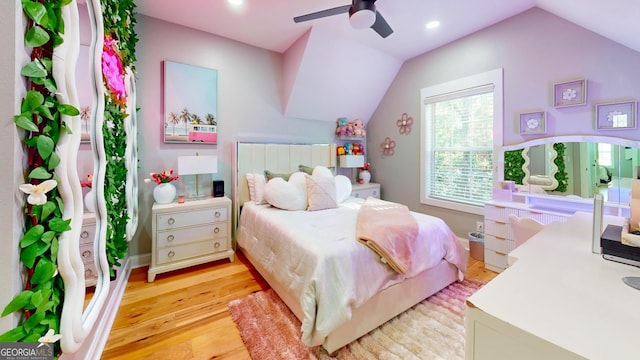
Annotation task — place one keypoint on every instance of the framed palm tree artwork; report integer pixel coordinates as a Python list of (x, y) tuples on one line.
[(190, 104)]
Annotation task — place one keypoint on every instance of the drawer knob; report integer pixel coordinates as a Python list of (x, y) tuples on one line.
[(218, 214), (86, 254), (216, 230), (357, 195), (171, 254), (84, 235), (171, 221), (216, 245), (170, 238), (88, 272), (375, 192)]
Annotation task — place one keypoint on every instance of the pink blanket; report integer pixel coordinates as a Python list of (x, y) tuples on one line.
[(389, 230)]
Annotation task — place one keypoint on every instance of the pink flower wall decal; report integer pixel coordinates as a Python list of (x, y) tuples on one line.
[(404, 123), (388, 146)]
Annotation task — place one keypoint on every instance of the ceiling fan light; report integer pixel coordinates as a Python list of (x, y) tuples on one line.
[(362, 19)]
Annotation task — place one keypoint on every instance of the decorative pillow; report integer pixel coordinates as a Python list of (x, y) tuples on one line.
[(287, 195), (321, 193), (270, 175), (309, 170), (343, 188), (322, 171), (256, 184)]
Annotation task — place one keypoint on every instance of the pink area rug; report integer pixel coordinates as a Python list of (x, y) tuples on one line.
[(432, 329)]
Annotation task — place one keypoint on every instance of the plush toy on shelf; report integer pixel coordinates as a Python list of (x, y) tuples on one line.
[(358, 149), (358, 128), (341, 150), (349, 132), (341, 129)]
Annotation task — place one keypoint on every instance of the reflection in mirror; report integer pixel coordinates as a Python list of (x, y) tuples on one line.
[(540, 167), (591, 165)]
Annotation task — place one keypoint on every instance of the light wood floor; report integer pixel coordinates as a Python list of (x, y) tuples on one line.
[(184, 314)]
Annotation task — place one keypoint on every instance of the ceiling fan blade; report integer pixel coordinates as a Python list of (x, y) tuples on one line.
[(323, 13), (381, 26)]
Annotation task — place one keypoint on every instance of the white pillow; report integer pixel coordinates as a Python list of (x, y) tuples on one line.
[(343, 188), (322, 171), (256, 184), (287, 195), (321, 193)]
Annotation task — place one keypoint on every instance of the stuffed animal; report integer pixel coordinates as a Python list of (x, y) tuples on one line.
[(357, 149), (358, 128), (349, 131), (348, 148), (341, 128), (341, 150)]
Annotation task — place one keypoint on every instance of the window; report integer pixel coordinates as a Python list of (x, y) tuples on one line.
[(458, 141), (605, 155)]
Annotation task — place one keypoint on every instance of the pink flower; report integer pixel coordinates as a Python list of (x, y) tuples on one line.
[(163, 177), (113, 69)]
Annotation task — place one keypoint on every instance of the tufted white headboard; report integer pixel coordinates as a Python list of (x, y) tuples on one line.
[(279, 158)]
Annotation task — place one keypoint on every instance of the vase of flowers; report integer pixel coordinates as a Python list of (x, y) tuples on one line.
[(89, 197), (365, 174), (165, 191)]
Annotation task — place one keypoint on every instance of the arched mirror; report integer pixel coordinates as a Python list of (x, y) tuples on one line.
[(590, 165), (539, 166), (77, 320)]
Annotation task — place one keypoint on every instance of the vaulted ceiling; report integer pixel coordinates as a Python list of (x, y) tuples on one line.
[(332, 47)]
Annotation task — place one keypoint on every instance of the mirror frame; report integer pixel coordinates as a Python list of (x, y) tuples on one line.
[(549, 163), (499, 168), (76, 322)]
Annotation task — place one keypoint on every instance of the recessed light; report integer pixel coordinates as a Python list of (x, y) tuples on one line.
[(235, 2), (433, 24)]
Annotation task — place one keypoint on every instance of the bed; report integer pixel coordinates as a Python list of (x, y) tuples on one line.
[(337, 287)]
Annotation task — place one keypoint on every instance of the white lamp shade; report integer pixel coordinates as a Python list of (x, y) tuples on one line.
[(362, 19), (194, 165)]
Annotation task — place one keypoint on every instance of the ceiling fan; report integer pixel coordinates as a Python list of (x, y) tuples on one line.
[(362, 14)]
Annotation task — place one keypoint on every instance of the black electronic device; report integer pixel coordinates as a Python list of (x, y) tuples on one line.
[(613, 249), (218, 188)]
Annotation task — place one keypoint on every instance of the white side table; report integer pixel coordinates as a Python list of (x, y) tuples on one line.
[(188, 234), (366, 190)]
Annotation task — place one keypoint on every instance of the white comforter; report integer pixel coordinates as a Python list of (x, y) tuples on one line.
[(315, 255)]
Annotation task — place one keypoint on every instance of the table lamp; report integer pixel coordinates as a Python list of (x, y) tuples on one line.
[(195, 171)]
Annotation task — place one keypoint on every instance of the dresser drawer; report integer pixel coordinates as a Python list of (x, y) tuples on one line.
[(499, 244), (500, 213), (90, 273), (181, 252), (365, 193), (498, 228), (87, 234), (495, 261), (190, 218), (86, 253), (192, 234)]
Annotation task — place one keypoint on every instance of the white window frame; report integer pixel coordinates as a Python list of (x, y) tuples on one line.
[(489, 78)]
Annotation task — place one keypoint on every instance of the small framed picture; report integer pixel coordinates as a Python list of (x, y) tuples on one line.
[(533, 123), (616, 116), (570, 93)]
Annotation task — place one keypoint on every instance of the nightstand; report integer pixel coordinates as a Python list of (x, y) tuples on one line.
[(188, 234), (366, 190), (87, 238)]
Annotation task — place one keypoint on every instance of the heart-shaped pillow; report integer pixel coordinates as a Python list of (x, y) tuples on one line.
[(343, 188), (287, 195)]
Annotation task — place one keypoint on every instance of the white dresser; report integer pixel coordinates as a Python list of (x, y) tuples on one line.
[(558, 300), (87, 237), (365, 190), (498, 238), (190, 233)]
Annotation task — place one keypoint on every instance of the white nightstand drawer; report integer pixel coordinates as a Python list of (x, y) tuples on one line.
[(176, 253), (365, 193), (86, 253), (189, 218), (196, 233), (87, 234), (499, 244)]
